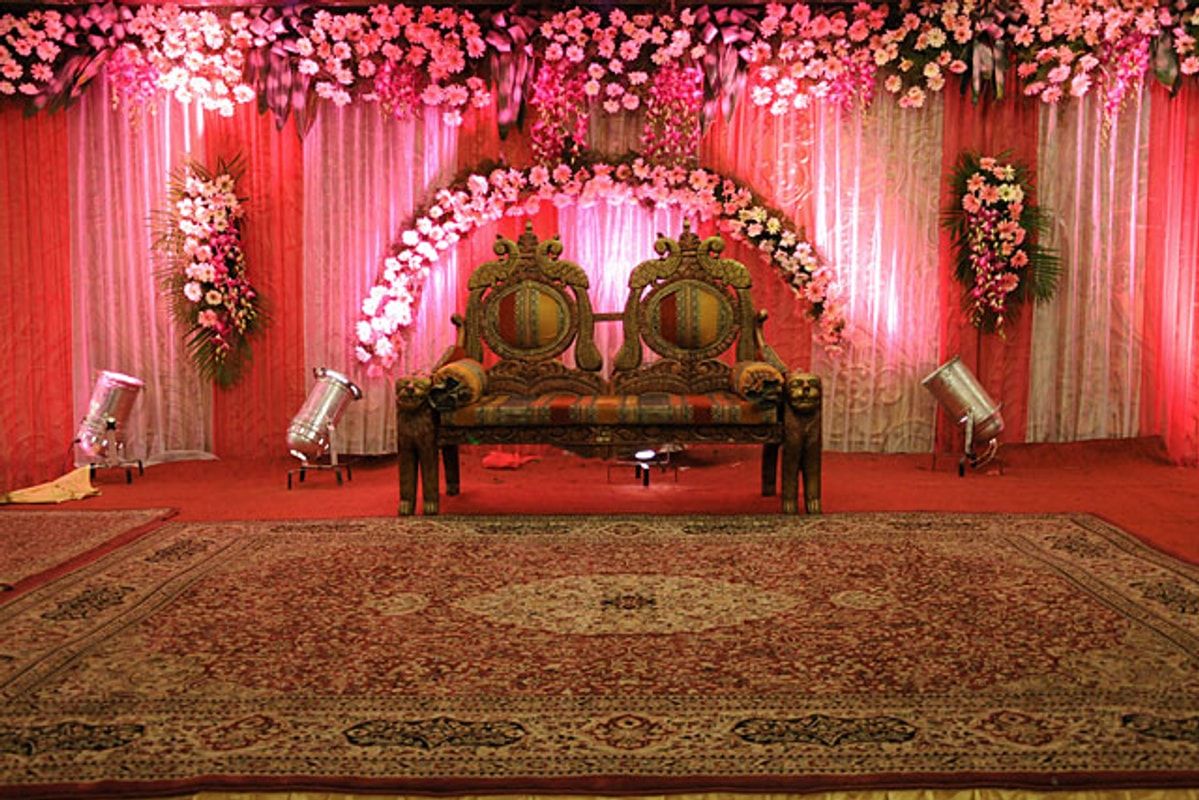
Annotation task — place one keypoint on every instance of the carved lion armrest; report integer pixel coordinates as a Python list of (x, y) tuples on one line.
[(803, 444), (457, 384), (757, 382)]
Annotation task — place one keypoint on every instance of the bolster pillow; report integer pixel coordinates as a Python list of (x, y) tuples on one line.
[(457, 384), (758, 382)]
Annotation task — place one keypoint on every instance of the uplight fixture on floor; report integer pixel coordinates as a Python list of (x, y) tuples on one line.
[(310, 434), (101, 434), (968, 404), (642, 460)]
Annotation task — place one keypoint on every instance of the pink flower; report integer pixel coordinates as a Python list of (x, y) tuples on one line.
[(1059, 73)]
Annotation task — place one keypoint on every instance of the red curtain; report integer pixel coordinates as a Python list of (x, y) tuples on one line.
[(1002, 365), (745, 147), (35, 310), (251, 418), (1170, 385)]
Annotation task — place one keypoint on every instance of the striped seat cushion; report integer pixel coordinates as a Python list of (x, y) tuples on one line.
[(657, 408)]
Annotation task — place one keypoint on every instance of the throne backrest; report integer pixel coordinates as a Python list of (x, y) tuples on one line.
[(529, 306), (689, 306)]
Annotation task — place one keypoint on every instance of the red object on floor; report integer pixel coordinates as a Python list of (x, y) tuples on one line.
[(1127, 482), (498, 459)]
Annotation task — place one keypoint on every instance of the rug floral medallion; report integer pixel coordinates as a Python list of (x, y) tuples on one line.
[(608, 653)]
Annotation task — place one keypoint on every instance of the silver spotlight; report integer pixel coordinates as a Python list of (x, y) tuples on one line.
[(967, 403), (310, 434), (101, 434)]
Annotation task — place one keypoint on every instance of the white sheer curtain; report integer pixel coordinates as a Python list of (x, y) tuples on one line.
[(364, 175), (118, 177), (608, 242), (1086, 348), (876, 180)]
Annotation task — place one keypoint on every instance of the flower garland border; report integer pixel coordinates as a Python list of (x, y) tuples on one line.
[(404, 58), (488, 193)]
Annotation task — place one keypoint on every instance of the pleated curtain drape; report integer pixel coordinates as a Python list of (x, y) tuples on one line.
[(1170, 362), (364, 176), (37, 421), (1085, 381), (121, 320)]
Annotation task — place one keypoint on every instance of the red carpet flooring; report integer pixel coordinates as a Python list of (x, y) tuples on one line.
[(638, 654), (1127, 482)]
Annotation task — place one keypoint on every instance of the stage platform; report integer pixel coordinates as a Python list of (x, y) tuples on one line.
[(1127, 482)]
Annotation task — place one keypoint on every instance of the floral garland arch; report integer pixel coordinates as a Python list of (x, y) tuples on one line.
[(489, 193)]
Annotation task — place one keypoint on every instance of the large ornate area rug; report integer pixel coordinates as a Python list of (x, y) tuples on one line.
[(33, 542), (607, 654)]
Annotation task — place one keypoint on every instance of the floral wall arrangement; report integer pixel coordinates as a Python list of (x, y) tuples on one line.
[(995, 225), (204, 269)]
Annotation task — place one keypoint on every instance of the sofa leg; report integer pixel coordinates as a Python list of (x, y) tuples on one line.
[(449, 455), (407, 482), (790, 488), (430, 476), (770, 468), (811, 479), (802, 443), (416, 441)]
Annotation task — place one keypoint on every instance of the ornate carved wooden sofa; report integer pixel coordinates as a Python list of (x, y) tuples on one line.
[(689, 307)]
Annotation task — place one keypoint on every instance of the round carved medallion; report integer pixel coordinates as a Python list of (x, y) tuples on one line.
[(628, 604)]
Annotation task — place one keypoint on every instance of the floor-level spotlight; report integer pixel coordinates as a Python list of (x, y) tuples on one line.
[(310, 434), (968, 404), (641, 461), (101, 434)]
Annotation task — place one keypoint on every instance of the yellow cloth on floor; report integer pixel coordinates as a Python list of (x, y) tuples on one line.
[(75, 485)]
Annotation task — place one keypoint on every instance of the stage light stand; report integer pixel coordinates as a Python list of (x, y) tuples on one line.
[(312, 431), (101, 434), (966, 401)]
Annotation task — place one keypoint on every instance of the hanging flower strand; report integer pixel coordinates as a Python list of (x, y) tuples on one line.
[(204, 273), (994, 225)]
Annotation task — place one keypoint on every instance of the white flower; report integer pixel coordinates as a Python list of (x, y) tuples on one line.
[(192, 291), (399, 312), (383, 347)]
